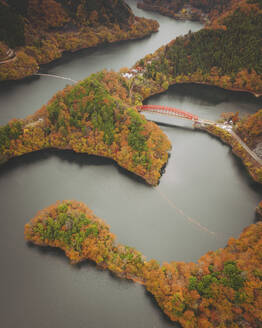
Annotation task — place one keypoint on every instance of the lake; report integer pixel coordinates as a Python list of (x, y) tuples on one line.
[(204, 197)]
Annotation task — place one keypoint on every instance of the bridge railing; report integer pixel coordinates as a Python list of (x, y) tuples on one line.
[(168, 110)]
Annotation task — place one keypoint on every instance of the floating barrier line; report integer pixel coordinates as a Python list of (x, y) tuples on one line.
[(56, 76), (186, 217)]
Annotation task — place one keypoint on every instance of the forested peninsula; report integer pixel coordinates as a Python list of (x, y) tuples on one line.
[(97, 117), (86, 117), (224, 289), (226, 53), (35, 32)]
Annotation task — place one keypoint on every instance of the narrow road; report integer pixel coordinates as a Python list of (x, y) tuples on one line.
[(11, 56), (32, 124), (229, 129), (251, 153)]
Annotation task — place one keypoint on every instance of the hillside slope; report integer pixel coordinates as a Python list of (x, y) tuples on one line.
[(250, 130), (40, 31), (95, 117), (228, 53), (186, 9)]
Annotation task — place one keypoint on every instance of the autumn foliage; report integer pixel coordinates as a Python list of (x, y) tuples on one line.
[(43, 30), (95, 117), (224, 289), (73, 227), (186, 9), (253, 167), (259, 209), (250, 129), (227, 53)]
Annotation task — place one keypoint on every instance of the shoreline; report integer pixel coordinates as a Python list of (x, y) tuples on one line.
[(128, 149), (173, 285), (149, 181), (201, 16), (29, 61), (237, 149), (236, 90), (256, 95), (259, 210)]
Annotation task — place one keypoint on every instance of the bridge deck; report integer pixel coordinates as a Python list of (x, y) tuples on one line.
[(185, 115), (169, 111)]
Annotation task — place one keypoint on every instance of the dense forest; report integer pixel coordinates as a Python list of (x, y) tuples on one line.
[(202, 10), (175, 5), (250, 129), (99, 116), (3, 50), (224, 289), (227, 53), (40, 31), (95, 117), (259, 209), (86, 118)]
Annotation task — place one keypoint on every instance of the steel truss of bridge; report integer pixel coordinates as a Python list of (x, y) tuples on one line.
[(168, 111)]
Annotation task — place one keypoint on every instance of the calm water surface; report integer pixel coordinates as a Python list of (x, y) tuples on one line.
[(203, 184)]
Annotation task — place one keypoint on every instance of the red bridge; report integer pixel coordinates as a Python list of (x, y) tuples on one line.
[(168, 111)]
